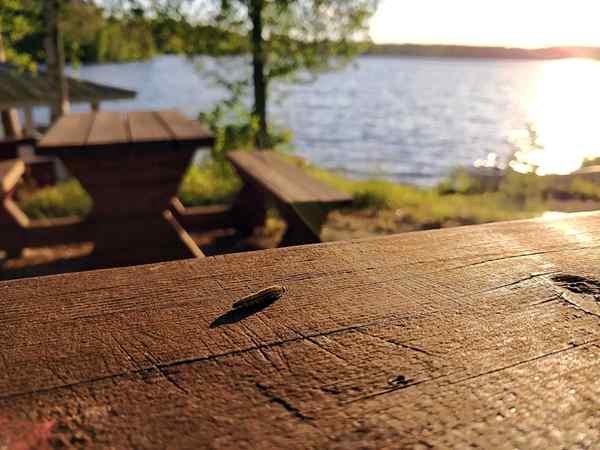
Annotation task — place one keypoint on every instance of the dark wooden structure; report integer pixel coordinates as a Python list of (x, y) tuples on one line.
[(11, 172), (302, 200), (131, 164), (24, 90), (9, 147), (475, 337), (39, 169)]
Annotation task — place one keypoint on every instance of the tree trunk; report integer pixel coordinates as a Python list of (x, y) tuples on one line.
[(260, 80), (9, 117), (56, 58)]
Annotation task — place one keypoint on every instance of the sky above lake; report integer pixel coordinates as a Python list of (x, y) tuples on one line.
[(515, 23)]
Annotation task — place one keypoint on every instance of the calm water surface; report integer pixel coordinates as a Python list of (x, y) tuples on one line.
[(407, 119)]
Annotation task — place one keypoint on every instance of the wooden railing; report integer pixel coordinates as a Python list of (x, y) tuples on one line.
[(483, 336)]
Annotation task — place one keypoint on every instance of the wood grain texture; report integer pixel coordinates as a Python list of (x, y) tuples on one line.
[(147, 126), (106, 131), (458, 338), (109, 128), (182, 128), (71, 130)]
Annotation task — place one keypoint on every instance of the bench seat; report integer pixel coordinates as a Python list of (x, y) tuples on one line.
[(303, 200)]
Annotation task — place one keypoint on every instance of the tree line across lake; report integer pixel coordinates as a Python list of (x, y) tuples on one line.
[(94, 33)]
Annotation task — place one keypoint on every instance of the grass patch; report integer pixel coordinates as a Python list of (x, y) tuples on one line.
[(63, 200), (211, 183), (429, 206), (459, 200)]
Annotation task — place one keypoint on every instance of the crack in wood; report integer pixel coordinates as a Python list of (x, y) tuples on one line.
[(519, 281), (520, 363), (302, 337), (264, 390)]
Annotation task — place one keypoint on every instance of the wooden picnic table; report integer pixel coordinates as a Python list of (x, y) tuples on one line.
[(303, 201), (131, 164), (476, 337)]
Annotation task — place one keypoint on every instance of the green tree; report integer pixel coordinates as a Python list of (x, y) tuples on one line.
[(290, 39), (18, 19), (80, 23)]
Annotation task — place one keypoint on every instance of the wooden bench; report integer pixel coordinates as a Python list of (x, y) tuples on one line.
[(41, 170), (476, 337), (302, 200)]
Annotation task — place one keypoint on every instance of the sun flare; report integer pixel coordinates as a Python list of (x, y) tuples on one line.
[(563, 110)]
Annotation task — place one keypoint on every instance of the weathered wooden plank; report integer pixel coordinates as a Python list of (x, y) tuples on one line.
[(285, 181), (109, 128), (183, 128), (11, 172), (302, 200), (460, 338), (70, 130), (146, 126)]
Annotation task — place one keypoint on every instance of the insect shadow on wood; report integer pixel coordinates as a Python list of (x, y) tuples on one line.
[(236, 315)]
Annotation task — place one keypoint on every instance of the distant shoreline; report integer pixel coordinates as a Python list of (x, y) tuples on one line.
[(480, 52)]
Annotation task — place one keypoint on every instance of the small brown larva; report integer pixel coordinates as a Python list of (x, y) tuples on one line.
[(266, 295)]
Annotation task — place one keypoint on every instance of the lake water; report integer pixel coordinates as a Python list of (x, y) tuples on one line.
[(408, 119)]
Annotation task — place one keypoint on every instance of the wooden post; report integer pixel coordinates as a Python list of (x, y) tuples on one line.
[(29, 125), (95, 105), (56, 58), (10, 118)]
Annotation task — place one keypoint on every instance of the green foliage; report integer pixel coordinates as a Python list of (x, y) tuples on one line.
[(521, 187), (211, 183), (234, 126), (215, 182), (120, 40), (290, 39), (310, 35), (80, 24), (427, 206), (62, 200), (585, 190), (315, 36), (459, 181), (110, 32), (18, 19)]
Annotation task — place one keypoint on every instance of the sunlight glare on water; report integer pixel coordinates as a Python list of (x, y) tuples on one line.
[(407, 119), (563, 111)]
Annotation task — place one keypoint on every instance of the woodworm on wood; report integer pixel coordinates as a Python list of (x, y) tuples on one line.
[(263, 296)]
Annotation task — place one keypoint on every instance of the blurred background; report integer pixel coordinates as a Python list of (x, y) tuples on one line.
[(429, 114)]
